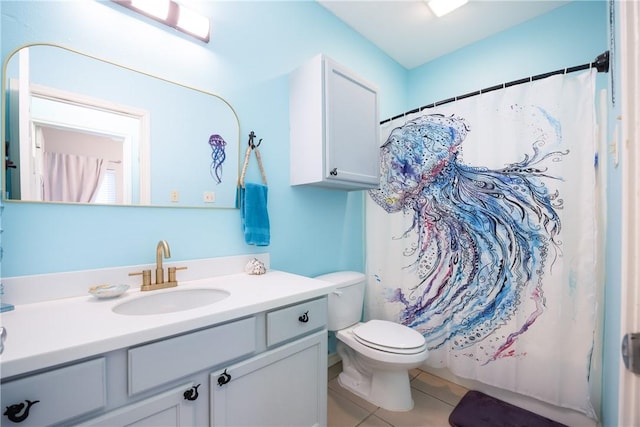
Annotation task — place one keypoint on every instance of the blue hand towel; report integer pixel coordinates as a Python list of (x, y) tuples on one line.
[(255, 218)]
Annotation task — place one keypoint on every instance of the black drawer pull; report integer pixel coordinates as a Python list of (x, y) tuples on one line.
[(192, 393), (305, 317), (14, 414), (224, 378)]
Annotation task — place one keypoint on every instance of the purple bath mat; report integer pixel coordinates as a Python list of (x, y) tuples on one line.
[(476, 409)]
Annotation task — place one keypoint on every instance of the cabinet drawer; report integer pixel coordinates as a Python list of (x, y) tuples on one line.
[(61, 394), (288, 323), (154, 364)]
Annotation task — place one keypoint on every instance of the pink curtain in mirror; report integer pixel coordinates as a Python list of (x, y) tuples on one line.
[(71, 178)]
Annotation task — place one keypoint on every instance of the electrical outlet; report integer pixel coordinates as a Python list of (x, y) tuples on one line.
[(209, 197), (174, 196)]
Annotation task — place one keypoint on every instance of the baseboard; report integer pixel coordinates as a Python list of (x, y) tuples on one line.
[(332, 359)]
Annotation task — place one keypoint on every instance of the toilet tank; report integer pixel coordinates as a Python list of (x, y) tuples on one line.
[(346, 300)]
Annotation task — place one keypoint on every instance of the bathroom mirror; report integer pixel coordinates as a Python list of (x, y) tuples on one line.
[(80, 129)]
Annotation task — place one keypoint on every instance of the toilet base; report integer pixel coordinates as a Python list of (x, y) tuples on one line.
[(400, 401), (389, 389)]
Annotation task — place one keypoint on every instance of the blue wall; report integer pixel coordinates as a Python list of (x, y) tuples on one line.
[(613, 282), (254, 47), (553, 41)]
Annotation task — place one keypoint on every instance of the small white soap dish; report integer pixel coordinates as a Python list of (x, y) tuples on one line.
[(108, 291)]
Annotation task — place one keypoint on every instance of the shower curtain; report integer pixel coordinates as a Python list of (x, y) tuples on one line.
[(482, 236)]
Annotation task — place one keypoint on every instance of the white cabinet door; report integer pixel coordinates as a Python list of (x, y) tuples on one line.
[(282, 387), (165, 409), (352, 128), (334, 127)]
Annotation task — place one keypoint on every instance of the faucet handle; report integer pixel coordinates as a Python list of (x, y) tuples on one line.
[(172, 273), (146, 277)]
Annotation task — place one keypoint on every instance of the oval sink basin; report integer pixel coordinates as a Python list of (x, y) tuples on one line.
[(170, 302)]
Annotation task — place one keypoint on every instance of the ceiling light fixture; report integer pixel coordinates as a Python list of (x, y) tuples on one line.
[(172, 14), (191, 22), (442, 7), (158, 9)]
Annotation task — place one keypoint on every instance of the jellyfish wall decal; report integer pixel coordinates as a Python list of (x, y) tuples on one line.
[(218, 156)]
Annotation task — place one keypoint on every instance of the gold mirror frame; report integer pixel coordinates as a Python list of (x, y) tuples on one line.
[(203, 197)]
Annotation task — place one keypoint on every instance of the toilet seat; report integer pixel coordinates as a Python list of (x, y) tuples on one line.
[(389, 337)]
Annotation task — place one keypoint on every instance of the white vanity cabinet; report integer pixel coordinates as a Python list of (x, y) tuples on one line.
[(334, 127), (152, 365), (263, 369)]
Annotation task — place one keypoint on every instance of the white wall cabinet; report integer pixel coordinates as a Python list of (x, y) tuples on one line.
[(276, 360), (334, 127)]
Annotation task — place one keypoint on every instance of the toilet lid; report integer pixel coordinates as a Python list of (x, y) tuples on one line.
[(389, 336)]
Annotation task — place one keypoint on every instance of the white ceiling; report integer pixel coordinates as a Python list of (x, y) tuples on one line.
[(409, 33)]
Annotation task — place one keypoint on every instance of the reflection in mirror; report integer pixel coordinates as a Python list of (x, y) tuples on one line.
[(83, 130)]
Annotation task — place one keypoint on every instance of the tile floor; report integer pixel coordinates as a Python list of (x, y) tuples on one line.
[(434, 400)]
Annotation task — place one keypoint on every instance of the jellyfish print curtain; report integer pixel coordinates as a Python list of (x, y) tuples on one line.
[(482, 236)]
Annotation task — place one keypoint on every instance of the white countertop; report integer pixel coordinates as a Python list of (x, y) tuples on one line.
[(45, 334)]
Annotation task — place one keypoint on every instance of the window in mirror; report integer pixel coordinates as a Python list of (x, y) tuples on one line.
[(67, 131), (66, 156), (108, 193)]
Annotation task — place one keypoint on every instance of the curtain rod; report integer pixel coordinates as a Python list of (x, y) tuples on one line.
[(601, 64)]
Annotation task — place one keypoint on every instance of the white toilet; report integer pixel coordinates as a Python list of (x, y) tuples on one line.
[(376, 355)]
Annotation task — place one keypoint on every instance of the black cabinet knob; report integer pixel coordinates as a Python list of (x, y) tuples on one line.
[(305, 317), (192, 393), (17, 413), (224, 378)]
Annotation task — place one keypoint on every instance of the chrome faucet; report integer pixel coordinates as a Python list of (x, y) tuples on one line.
[(163, 246)]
